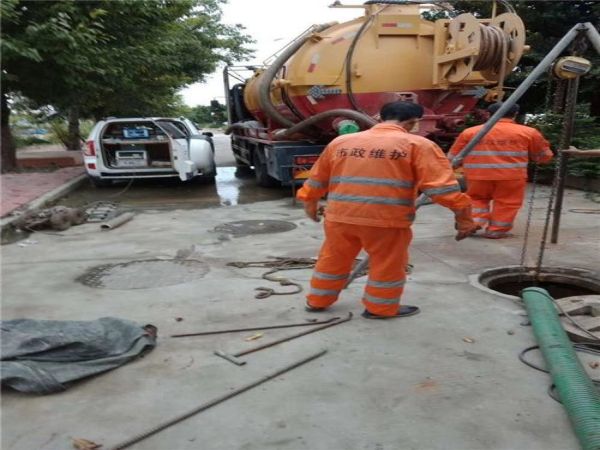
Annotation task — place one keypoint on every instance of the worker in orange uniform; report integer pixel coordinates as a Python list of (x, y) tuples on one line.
[(371, 180), (496, 170)]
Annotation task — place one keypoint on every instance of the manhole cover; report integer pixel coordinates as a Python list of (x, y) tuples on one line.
[(144, 274), (583, 321), (248, 227)]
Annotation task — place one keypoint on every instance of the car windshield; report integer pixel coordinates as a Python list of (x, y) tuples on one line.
[(190, 125), (173, 129)]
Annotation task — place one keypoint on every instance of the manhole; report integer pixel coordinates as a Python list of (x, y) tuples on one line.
[(249, 227), (144, 274), (560, 282)]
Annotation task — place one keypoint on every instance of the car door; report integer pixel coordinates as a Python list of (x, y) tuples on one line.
[(180, 144)]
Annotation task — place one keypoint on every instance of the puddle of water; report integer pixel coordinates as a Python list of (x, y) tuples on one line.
[(165, 194)]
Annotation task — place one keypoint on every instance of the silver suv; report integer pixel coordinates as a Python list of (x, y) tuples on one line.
[(125, 148)]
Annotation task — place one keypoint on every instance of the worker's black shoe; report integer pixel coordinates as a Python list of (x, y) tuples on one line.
[(309, 308), (403, 311)]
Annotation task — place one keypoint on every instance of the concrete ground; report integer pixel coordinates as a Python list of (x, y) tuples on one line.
[(413, 383)]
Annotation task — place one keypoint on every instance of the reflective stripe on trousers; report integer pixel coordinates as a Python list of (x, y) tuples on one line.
[(387, 249), (496, 202)]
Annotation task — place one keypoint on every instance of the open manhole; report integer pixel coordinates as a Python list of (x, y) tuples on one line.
[(144, 274), (249, 227), (560, 282)]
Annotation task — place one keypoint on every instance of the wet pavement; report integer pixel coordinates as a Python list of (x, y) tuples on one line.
[(168, 194)]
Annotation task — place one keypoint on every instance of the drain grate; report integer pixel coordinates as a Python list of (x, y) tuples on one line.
[(101, 211), (250, 227), (144, 274)]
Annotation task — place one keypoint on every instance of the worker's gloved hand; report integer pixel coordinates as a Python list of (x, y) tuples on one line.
[(464, 224), (313, 210)]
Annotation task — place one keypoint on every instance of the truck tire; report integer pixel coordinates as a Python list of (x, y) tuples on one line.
[(263, 179), (242, 170)]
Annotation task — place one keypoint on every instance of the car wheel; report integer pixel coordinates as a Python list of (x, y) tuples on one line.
[(210, 176), (263, 179)]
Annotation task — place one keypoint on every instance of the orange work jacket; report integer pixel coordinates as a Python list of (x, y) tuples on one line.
[(503, 153), (372, 178)]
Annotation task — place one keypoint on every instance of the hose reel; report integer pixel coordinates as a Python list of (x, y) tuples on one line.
[(493, 49)]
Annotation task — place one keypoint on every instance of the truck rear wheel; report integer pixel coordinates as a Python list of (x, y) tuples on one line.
[(263, 179), (242, 170)]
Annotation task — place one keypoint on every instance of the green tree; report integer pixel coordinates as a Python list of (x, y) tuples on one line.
[(213, 115), (99, 58), (29, 33)]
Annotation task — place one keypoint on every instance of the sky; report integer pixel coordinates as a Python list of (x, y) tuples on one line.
[(272, 24)]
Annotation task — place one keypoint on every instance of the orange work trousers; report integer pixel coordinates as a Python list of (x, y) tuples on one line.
[(496, 203), (388, 257)]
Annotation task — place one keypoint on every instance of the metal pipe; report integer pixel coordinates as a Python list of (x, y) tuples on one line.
[(264, 87), (117, 221), (567, 135), (562, 162), (216, 401), (227, 94), (270, 327), (523, 87), (293, 336), (593, 35), (349, 113)]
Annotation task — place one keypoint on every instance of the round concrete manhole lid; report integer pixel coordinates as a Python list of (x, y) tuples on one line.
[(143, 274), (249, 227)]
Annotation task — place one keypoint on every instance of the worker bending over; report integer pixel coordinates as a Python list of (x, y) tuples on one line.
[(371, 180), (496, 170)]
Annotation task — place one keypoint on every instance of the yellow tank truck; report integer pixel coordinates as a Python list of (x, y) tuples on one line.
[(334, 78)]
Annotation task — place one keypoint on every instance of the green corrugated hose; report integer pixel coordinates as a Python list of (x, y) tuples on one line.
[(578, 394)]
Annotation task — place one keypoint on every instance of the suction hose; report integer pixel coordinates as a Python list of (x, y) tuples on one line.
[(577, 392), (348, 113), (264, 88)]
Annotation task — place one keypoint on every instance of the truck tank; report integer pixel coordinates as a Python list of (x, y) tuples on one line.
[(336, 77)]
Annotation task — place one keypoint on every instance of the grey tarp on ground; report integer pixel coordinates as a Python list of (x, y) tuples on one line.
[(40, 356)]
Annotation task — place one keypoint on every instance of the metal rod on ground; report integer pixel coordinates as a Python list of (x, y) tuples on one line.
[(523, 87), (215, 401), (270, 327), (567, 135), (234, 357)]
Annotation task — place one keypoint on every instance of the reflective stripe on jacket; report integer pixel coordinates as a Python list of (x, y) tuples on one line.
[(504, 153), (372, 178)]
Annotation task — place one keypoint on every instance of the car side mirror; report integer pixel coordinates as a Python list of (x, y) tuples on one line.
[(208, 134)]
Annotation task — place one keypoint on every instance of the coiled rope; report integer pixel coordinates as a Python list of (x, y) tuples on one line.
[(493, 51)]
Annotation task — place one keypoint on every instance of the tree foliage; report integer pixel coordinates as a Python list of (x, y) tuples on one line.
[(103, 57), (213, 115)]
